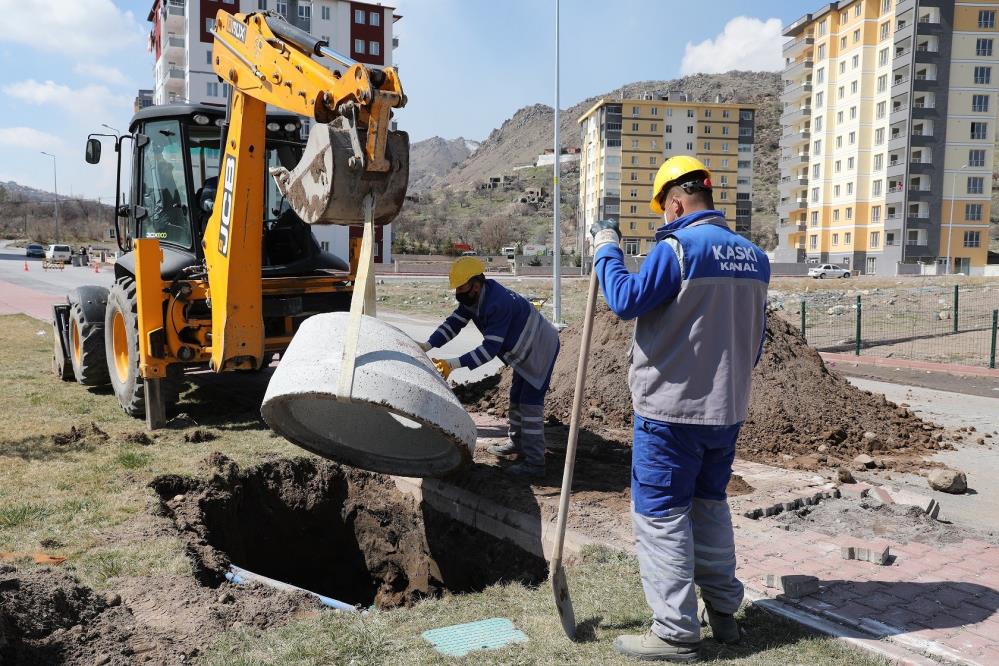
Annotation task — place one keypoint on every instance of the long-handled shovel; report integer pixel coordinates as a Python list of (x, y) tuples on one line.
[(560, 586)]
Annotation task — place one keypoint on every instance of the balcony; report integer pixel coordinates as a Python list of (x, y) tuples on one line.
[(786, 207), (899, 114), (919, 193), (898, 141), (175, 16), (794, 94), (797, 47), (796, 69), (793, 115), (903, 6), (924, 83), (900, 86), (790, 184), (792, 139), (896, 168), (904, 32), (927, 54), (921, 138), (174, 78), (174, 46), (928, 26), (797, 158), (895, 193), (917, 167)]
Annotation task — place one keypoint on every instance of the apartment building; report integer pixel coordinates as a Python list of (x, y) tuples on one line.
[(625, 141), (889, 132), (181, 42)]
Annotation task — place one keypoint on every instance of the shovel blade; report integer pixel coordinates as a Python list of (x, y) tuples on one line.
[(563, 602)]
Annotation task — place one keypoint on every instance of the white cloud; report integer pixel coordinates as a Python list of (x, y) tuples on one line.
[(90, 100), (92, 70), (27, 137), (745, 43), (69, 26)]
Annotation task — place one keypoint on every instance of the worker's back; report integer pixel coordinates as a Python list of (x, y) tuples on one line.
[(693, 356)]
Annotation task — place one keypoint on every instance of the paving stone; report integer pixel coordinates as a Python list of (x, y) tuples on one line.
[(855, 490), (793, 586), (876, 552)]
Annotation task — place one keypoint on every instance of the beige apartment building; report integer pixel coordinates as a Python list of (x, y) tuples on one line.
[(625, 141), (889, 133)]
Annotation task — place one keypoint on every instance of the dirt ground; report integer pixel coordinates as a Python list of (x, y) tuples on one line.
[(801, 416)]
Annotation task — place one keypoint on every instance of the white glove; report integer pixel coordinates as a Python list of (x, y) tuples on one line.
[(425, 346), (604, 232)]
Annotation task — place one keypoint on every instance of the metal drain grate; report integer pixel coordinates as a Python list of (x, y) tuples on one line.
[(460, 639)]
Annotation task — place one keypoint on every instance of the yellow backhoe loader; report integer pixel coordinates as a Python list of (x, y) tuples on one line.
[(218, 263)]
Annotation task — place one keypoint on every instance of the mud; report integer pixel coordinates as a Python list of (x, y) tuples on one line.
[(77, 435), (341, 532), (870, 519), (200, 436), (801, 416), (138, 437)]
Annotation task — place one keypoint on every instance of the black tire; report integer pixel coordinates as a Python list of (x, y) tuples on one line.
[(86, 347), (845, 275), (122, 354), (822, 276)]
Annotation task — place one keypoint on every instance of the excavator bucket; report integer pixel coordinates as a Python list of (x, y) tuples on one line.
[(330, 182)]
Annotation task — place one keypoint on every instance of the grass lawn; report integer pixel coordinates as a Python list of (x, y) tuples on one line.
[(81, 496)]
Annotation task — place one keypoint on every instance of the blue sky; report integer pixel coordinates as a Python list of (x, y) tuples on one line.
[(66, 66)]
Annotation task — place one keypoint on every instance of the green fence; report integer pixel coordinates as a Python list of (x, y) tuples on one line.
[(937, 324)]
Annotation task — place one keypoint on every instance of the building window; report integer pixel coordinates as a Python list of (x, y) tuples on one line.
[(879, 136), (837, 167), (835, 239), (842, 67), (690, 145), (986, 19), (324, 12), (976, 185), (839, 116), (359, 16), (209, 25), (305, 12), (856, 61), (853, 138), (725, 147), (634, 111), (669, 129), (983, 47), (209, 54), (725, 113), (690, 113), (707, 113), (882, 83), (262, 5), (836, 215), (876, 214), (849, 163), (853, 89), (655, 110), (875, 240), (876, 188), (976, 158), (839, 142), (849, 190), (282, 8), (979, 130), (841, 92), (856, 36), (879, 162), (972, 238), (374, 18), (633, 210), (818, 124), (634, 127), (653, 160), (817, 147), (653, 127), (634, 159), (819, 96), (690, 129), (707, 146), (725, 130), (374, 48), (881, 107), (707, 129), (746, 131), (836, 190), (816, 170), (973, 212), (884, 31), (983, 75), (668, 145), (883, 57), (815, 218), (848, 237), (842, 42), (980, 103), (746, 115), (815, 194), (359, 46), (213, 89), (813, 242)]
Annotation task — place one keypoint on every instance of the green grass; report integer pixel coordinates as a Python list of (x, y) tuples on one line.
[(608, 601), (88, 501)]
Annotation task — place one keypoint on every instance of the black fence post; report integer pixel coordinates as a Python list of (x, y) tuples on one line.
[(803, 320), (856, 344), (956, 291), (992, 355)]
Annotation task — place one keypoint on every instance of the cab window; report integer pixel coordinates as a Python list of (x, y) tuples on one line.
[(163, 191)]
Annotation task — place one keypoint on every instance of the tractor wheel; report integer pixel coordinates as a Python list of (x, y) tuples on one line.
[(86, 343), (121, 343)]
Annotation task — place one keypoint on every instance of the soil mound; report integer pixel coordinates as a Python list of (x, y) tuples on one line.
[(801, 415), (342, 532)]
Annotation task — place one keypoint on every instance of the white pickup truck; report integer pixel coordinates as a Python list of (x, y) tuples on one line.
[(58, 253)]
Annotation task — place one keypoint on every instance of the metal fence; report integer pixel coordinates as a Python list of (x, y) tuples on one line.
[(937, 324)]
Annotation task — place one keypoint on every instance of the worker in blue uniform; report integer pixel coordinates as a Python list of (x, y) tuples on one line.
[(699, 302), (515, 331)]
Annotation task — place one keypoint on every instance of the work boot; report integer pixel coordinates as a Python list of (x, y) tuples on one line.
[(724, 627), (523, 470), (503, 450), (649, 647)]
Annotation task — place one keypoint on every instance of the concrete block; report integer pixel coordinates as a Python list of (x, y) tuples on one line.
[(792, 586), (875, 552), (855, 490)]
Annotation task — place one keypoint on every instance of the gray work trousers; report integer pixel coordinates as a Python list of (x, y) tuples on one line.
[(527, 432), (691, 545)]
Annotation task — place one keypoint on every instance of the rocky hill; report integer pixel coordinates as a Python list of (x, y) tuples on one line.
[(433, 158)]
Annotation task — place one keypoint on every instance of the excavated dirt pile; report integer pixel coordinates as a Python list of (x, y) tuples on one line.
[(801, 416), (342, 532)]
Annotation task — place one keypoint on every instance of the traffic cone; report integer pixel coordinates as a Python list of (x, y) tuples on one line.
[(25, 264), (97, 267)]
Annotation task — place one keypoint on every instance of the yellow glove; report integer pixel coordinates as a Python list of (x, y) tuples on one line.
[(443, 366)]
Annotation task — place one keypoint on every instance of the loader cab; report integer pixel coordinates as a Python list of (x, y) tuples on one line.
[(175, 168)]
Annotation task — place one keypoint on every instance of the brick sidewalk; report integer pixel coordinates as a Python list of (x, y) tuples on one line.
[(940, 601), (21, 300)]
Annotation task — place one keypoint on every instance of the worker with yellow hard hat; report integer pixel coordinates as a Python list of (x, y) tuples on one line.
[(699, 301), (514, 330)]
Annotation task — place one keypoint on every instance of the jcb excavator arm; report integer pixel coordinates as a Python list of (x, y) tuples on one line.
[(265, 60)]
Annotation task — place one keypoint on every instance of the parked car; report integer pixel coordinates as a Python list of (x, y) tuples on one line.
[(828, 270), (469, 253), (35, 250), (59, 253)]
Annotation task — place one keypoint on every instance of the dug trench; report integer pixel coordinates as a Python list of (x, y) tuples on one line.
[(336, 531)]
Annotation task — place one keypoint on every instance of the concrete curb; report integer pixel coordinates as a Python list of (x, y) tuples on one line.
[(945, 368)]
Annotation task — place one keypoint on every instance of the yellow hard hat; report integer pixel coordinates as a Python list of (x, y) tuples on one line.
[(464, 269), (672, 170)]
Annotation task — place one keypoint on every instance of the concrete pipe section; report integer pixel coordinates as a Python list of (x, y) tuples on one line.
[(402, 418)]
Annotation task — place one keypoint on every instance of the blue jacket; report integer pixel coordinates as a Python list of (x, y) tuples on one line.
[(511, 328), (700, 301)]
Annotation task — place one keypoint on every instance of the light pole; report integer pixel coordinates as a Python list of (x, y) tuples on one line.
[(55, 187), (556, 200), (111, 128), (950, 223)]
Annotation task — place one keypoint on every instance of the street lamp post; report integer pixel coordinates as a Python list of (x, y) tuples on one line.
[(55, 187), (116, 131), (556, 200), (950, 222)]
